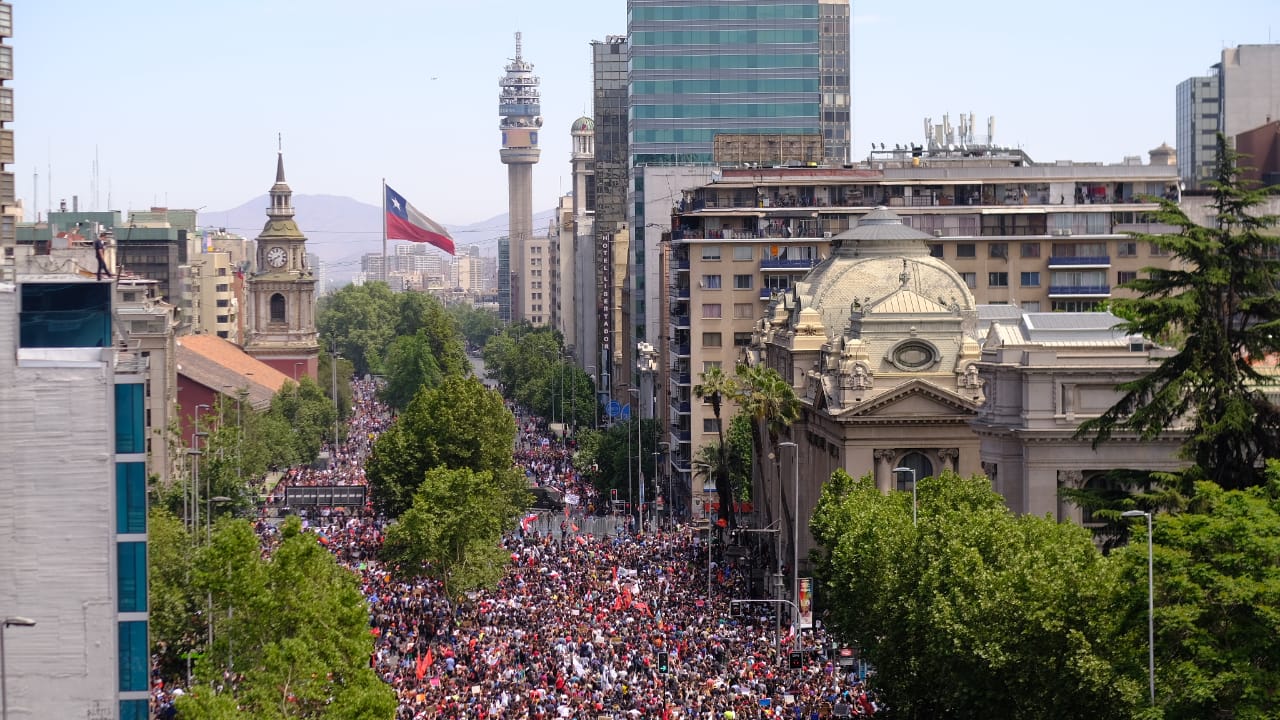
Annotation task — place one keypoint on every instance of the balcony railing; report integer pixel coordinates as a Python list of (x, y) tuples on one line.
[(1080, 290), (683, 379), (682, 350), (681, 321), (684, 435), (680, 407), (786, 264), (680, 264), (1081, 261), (681, 292)]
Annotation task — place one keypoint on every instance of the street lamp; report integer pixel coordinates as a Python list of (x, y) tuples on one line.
[(195, 473), (795, 529), (591, 370), (14, 621), (1151, 604), (914, 516)]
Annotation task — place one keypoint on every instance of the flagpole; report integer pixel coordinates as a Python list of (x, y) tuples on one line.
[(384, 232)]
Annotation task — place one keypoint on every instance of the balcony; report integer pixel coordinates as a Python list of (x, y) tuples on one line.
[(680, 264), (1086, 261), (784, 264), (681, 350), (767, 293), (681, 321), (682, 408), (683, 436), (681, 292), (683, 379), (1076, 291)]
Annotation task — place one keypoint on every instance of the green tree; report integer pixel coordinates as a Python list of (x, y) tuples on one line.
[(419, 313), (452, 530), (615, 460), (361, 320), (411, 365), (176, 625), (715, 388), (308, 413), (477, 325), (1220, 306), (974, 612), (294, 625), (768, 399), (1217, 603), (461, 424)]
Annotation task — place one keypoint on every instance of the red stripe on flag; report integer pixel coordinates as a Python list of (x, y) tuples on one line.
[(398, 229)]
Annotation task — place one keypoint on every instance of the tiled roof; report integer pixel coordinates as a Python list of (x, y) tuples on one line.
[(223, 367)]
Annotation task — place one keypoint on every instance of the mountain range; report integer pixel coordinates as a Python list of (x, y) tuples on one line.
[(341, 229)]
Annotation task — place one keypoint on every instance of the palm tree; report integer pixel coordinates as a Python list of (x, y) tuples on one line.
[(715, 387), (772, 405)]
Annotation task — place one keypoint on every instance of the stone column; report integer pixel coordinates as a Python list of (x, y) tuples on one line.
[(949, 456), (884, 469)]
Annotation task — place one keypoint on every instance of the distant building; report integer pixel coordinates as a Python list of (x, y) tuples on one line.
[(611, 173), (1240, 93), (1260, 154), (10, 208)]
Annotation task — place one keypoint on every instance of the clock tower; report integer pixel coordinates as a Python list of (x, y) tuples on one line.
[(282, 291)]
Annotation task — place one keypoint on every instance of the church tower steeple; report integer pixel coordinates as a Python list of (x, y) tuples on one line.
[(282, 290)]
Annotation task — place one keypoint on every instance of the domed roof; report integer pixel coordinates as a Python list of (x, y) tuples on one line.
[(584, 124), (878, 258)]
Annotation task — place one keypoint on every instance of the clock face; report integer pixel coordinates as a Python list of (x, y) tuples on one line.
[(276, 256)]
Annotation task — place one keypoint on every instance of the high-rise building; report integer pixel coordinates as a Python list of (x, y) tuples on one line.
[(8, 202), (521, 111), (73, 524), (581, 298), (609, 62), (1197, 129), (702, 68), (1240, 93)]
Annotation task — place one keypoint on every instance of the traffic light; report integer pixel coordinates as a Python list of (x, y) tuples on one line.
[(795, 660), (663, 663)]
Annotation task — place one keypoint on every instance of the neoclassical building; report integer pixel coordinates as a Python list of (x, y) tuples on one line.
[(880, 342)]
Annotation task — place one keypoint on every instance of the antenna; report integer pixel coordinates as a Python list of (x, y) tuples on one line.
[(279, 142), (518, 44)]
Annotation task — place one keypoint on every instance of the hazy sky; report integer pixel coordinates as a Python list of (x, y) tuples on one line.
[(182, 99)]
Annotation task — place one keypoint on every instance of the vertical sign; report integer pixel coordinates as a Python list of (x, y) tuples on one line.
[(804, 599)]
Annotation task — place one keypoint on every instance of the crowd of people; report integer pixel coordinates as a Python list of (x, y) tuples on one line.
[(583, 626)]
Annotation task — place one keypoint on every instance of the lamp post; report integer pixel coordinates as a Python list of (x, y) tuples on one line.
[(1151, 604), (591, 370), (914, 518), (8, 622), (795, 531), (195, 473)]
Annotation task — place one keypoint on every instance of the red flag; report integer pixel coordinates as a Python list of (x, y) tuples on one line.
[(420, 667), (405, 222)]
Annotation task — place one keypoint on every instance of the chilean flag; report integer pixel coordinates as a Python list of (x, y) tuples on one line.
[(405, 222)]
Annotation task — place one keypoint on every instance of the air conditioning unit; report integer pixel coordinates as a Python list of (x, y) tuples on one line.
[(827, 234)]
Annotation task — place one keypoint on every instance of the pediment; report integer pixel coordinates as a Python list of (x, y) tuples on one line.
[(915, 399)]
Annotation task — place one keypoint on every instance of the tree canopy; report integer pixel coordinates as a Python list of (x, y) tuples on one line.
[(290, 628), (363, 321), (1219, 306), (533, 369), (460, 424), (975, 612), (452, 530)]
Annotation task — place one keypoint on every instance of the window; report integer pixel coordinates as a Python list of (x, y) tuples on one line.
[(708, 364), (966, 250), (970, 279), (998, 250), (710, 425), (1030, 279), (131, 573), (1031, 306), (919, 464), (710, 282), (914, 355), (742, 311), (277, 308), (710, 339), (935, 250), (743, 282), (998, 279), (743, 252), (129, 417), (221, 287), (1030, 250), (1125, 276), (710, 252), (1127, 249), (1158, 251), (711, 310), (741, 339), (133, 655), (223, 303)]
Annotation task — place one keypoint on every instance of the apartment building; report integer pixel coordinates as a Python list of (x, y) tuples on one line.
[(1041, 237)]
